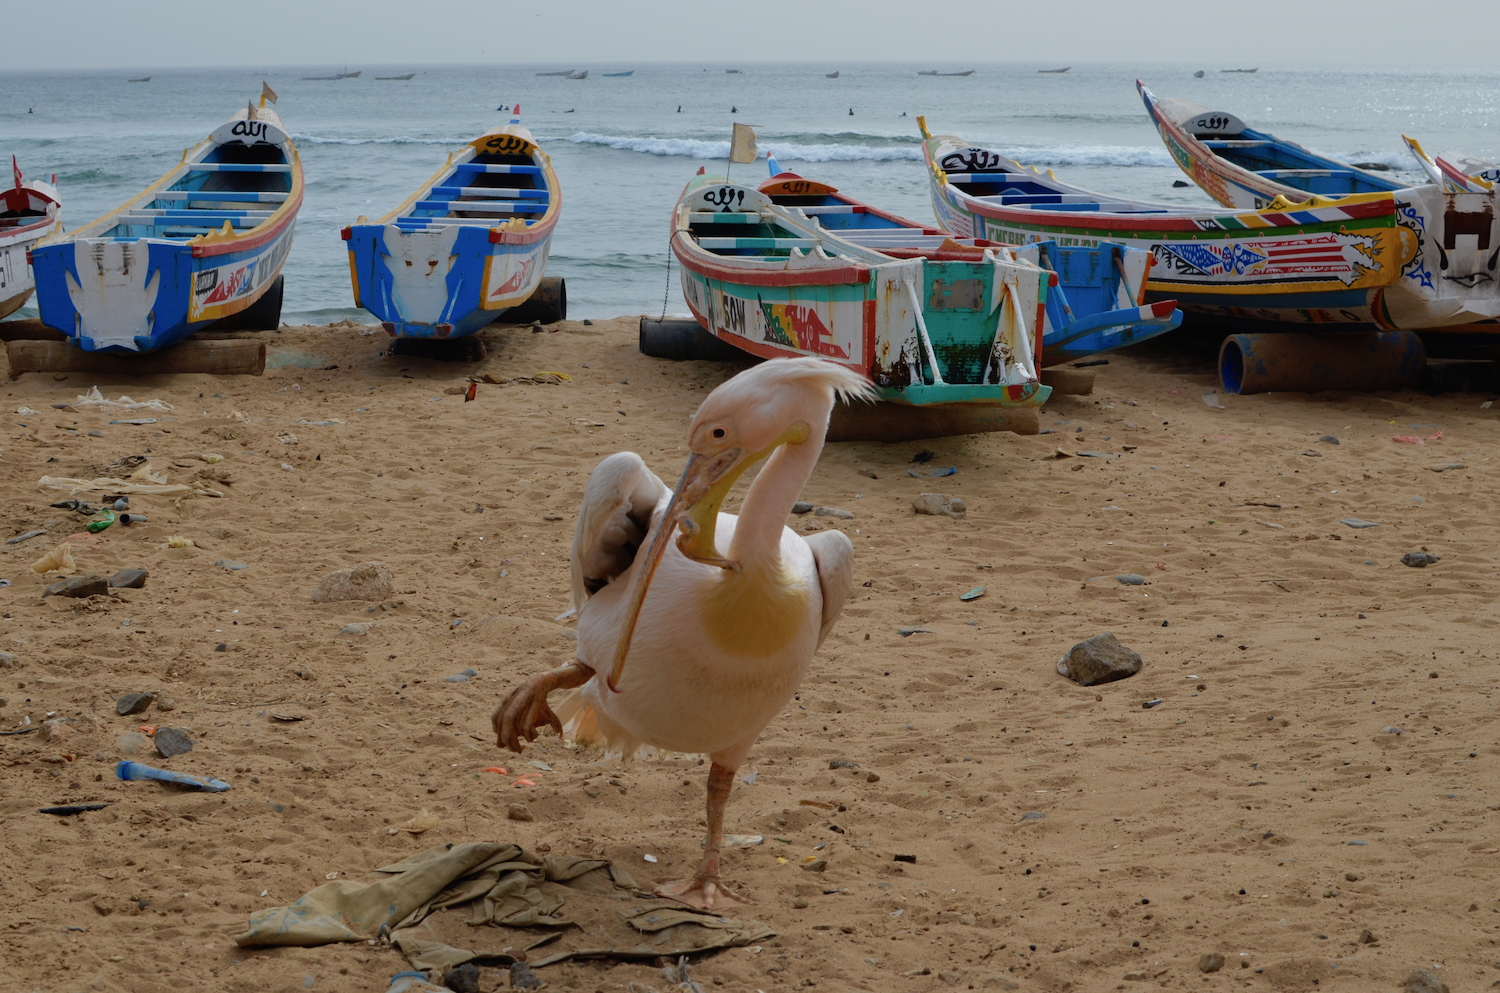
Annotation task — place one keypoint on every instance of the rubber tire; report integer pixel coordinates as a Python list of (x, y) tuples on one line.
[(683, 341), (262, 315), (548, 304)]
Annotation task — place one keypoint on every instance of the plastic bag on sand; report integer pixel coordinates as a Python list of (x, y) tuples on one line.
[(60, 559), (142, 481), (94, 399)]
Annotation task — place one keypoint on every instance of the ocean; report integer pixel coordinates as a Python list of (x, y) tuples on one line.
[(623, 147)]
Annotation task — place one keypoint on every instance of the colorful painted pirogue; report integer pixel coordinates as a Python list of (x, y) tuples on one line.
[(204, 242), (1094, 298), (470, 243), (28, 212), (1300, 262), (1450, 239)]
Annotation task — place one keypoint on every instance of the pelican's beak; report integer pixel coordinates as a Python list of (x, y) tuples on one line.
[(694, 508)]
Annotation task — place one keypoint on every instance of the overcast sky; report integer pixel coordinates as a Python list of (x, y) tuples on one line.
[(150, 34)]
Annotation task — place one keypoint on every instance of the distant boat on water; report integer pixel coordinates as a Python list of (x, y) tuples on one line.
[(346, 74), (584, 74), (832, 75), (143, 79), (1063, 69), (350, 75), (1198, 74), (934, 72), (1256, 69), (565, 72), (616, 75), (732, 72), (390, 78)]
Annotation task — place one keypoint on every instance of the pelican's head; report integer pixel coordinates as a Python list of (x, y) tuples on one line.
[(779, 402)]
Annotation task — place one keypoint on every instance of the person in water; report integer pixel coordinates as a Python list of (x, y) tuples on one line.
[(851, 111)]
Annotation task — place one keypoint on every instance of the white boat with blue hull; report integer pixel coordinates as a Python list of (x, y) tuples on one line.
[(469, 245), (204, 243)]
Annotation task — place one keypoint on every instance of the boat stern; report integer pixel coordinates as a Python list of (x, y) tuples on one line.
[(113, 295), (420, 284)]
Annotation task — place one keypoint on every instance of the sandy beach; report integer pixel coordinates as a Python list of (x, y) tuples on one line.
[(1311, 796)]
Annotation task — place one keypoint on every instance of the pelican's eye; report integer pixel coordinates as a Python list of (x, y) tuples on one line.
[(718, 432)]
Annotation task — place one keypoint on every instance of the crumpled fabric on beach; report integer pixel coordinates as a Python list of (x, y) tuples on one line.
[(436, 905)]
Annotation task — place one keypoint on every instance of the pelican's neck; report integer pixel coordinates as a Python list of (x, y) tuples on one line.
[(757, 534)]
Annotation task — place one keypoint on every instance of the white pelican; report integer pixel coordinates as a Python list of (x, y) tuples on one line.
[(718, 627)]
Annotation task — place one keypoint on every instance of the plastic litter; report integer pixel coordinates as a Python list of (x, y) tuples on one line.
[(94, 399), (101, 520), (136, 771)]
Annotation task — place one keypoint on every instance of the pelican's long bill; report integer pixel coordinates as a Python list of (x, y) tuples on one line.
[(694, 507)]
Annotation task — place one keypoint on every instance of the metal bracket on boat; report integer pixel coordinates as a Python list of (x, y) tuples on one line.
[(916, 309)]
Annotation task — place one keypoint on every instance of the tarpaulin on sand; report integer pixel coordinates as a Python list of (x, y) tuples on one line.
[(436, 904)]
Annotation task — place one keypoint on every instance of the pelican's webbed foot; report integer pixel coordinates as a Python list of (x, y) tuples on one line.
[(524, 712), (701, 893)]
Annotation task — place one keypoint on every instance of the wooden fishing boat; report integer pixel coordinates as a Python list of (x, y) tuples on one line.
[(469, 244), (203, 243), (953, 323), (394, 79), (1095, 296), (1046, 72), (617, 75), (29, 212), (1304, 262), (1450, 243), (934, 72)]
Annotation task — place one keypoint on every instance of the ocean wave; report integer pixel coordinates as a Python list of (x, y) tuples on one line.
[(313, 139), (874, 148)]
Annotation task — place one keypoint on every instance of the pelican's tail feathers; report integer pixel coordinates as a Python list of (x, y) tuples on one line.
[(586, 726)]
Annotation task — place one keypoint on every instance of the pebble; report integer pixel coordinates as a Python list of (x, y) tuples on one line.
[(8, 660), (88, 584), (872, 777), (802, 507), (800, 903), (1213, 961), (841, 514), (1423, 981), (133, 703), (172, 741), (129, 579), (1131, 579), (1100, 659), (1328, 439), (165, 702), (462, 978), (461, 677), (908, 632), (1356, 523), (230, 564), (518, 812), (1392, 729), (816, 865), (366, 581), (1033, 815), (522, 978), (842, 764), (940, 504), (1418, 560), (360, 629)]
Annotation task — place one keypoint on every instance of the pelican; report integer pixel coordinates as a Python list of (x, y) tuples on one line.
[(694, 645)]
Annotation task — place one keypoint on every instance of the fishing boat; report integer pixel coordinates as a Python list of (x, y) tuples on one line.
[(1309, 261), (203, 243), (617, 75), (1054, 71), (1256, 69), (584, 74), (934, 72), (1094, 299), (832, 75), (393, 79), (1450, 243), (468, 245), (143, 79), (28, 213), (1198, 75), (564, 72)]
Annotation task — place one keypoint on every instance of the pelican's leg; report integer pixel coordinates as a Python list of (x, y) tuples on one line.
[(705, 890), (525, 711)]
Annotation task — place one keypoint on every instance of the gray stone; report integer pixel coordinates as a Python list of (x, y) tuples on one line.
[(1213, 961), (1328, 439), (1100, 659), (164, 702), (133, 703), (1131, 579), (1356, 523), (129, 579), (802, 507), (518, 812), (816, 865), (79, 586), (1418, 560), (842, 764), (462, 978), (940, 504), (359, 630), (230, 564), (845, 515), (457, 677), (8, 660), (368, 581), (1423, 981), (172, 741), (522, 978), (1033, 815)]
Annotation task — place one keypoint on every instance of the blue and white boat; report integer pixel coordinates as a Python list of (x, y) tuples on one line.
[(470, 244), (203, 243)]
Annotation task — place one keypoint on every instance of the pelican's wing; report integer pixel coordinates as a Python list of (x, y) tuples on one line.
[(834, 554), (617, 506)]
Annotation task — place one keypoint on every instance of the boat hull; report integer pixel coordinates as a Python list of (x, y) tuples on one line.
[(1305, 263), (124, 283), (29, 213), (925, 332), (1450, 239), (425, 273)]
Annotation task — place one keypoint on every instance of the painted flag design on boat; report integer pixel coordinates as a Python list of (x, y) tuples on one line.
[(800, 328)]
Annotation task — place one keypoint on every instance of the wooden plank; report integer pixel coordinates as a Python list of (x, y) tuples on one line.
[(894, 422), (1068, 382), (29, 329), (235, 357)]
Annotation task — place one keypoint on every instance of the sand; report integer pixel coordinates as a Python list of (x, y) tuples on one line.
[(1260, 810)]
